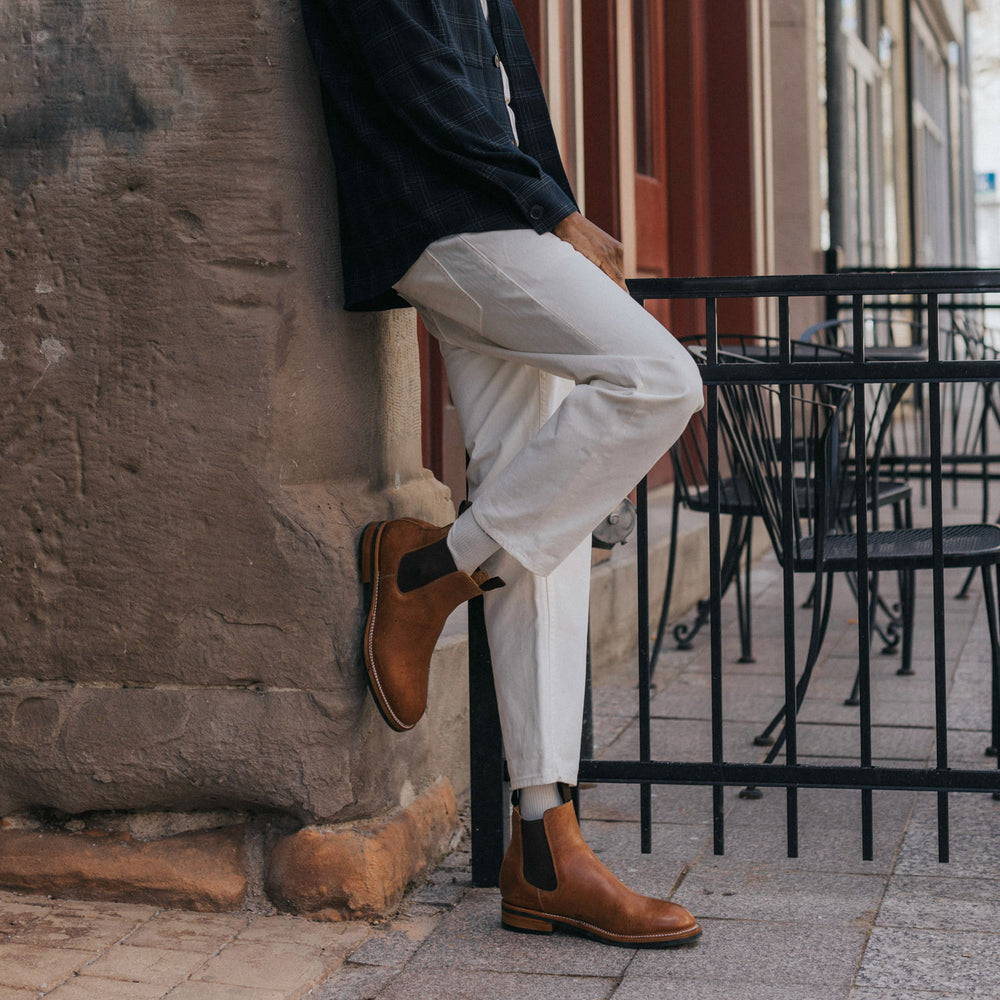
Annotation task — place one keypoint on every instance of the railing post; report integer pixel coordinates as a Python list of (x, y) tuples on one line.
[(486, 792)]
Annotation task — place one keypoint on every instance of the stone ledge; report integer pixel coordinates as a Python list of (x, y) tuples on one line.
[(361, 871), (204, 870)]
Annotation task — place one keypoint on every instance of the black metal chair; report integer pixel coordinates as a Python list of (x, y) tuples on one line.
[(737, 501), (827, 467), (970, 410)]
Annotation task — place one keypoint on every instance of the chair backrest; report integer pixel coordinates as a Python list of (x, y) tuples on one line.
[(815, 439), (970, 411), (689, 454)]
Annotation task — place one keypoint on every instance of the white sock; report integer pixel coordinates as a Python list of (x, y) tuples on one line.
[(468, 544), (536, 799)]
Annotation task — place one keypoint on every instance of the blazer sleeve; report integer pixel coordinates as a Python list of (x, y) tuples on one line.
[(409, 50)]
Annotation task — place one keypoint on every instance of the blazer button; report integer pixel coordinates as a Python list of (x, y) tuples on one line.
[(536, 212), (496, 59)]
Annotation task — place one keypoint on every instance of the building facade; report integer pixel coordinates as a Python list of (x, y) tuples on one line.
[(718, 137), (194, 432)]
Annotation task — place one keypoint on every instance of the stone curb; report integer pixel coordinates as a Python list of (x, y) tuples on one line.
[(201, 870), (361, 871)]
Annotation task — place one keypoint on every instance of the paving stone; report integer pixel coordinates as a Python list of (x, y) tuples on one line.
[(967, 748), (81, 931), (323, 936), (135, 964), (686, 804), (829, 831), (216, 991), (941, 903), (261, 966), (27, 899), (95, 988), (648, 988), (130, 911), (759, 952), (460, 857), (909, 958), (875, 994), (442, 893), (974, 827), (908, 744), (27, 966), (176, 930), (616, 696), (750, 893), (675, 846), (607, 729), (687, 739), (470, 938), (419, 984), (355, 982), (395, 945), (15, 916)]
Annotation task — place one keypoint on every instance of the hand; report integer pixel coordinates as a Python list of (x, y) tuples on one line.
[(595, 244)]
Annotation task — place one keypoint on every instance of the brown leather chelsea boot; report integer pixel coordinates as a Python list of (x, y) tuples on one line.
[(550, 878), (403, 626)]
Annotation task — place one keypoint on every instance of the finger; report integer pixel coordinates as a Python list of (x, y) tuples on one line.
[(615, 274)]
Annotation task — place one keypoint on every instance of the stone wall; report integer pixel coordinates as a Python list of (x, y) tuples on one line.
[(192, 430)]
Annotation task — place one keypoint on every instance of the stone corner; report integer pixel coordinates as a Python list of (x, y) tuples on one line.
[(360, 871)]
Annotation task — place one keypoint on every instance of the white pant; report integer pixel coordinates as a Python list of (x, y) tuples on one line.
[(567, 392)]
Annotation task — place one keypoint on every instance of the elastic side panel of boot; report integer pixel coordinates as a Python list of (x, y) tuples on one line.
[(539, 869)]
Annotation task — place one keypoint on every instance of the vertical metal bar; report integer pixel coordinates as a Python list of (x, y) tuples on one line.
[(937, 563), (645, 679), (910, 133), (486, 792), (715, 578), (863, 597), (788, 572), (587, 729), (993, 750), (836, 118), (642, 563)]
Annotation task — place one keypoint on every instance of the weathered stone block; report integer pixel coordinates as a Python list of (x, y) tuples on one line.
[(194, 432), (204, 870), (361, 870)]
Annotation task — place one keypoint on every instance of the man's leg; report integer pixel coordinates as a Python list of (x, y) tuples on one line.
[(502, 305), (531, 299), (526, 300), (537, 625)]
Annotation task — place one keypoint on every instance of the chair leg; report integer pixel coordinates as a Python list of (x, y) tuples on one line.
[(907, 596), (743, 596), (989, 595), (890, 634), (821, 620), (854, 698), (668, 590), (684, 634)]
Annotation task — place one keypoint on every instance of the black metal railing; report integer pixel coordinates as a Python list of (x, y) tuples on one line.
[(931, 293)]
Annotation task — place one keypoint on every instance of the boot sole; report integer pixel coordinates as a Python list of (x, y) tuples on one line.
[(531, 922), (368, 566)]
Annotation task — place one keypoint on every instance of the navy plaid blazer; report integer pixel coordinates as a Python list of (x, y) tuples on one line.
[(421, 138)]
